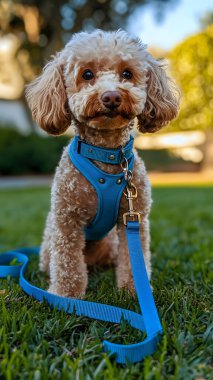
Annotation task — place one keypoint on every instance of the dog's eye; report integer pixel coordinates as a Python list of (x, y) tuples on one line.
[(126, 74), (88, 75)]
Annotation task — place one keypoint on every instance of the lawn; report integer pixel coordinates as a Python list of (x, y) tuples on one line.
[(39, 343)]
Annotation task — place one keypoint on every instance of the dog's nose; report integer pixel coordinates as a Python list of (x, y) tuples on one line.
[(111, 99)]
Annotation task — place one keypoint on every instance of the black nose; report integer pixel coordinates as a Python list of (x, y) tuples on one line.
[(111, 99)]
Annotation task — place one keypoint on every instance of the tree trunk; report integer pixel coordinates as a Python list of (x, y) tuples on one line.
[(208, 152)]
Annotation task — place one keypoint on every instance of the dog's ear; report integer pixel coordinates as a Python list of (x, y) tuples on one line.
[(162, 101), (47, 98)]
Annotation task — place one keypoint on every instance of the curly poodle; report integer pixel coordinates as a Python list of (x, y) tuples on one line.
[(100, 83)]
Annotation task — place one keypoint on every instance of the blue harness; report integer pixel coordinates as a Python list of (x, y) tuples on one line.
[(108, 203), (109, 187)]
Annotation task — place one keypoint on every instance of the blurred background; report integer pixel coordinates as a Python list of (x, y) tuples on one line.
[(179, 30)]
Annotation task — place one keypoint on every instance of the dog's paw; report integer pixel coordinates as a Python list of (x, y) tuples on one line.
[(129, 286), (65, 292)]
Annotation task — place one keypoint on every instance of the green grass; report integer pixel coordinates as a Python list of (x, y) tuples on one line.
[(39, 343)]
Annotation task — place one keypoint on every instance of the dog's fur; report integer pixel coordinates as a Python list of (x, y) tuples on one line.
[(60, 97)]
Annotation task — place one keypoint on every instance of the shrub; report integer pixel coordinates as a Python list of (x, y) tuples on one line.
[(30, 154)]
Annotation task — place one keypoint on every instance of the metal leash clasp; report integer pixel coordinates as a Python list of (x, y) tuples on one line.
[(131, 214), (130, 194)]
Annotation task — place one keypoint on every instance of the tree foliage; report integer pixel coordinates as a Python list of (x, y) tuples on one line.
[(192, 67), (57, 20)]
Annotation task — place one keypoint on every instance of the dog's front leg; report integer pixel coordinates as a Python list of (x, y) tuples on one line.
[(68, 271)]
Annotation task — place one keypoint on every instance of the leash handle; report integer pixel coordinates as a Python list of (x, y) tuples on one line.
[(148, 322)]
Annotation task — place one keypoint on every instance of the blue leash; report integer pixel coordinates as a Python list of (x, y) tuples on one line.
[(147, 322)]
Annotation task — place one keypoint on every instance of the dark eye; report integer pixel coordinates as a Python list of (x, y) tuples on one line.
[(126, 74), (88, 75)]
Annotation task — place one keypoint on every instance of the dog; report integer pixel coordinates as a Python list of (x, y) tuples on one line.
[(100, 83)]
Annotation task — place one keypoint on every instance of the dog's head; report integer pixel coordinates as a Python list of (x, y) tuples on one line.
[(103, 80)]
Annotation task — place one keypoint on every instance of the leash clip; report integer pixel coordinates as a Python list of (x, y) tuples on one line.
[(131, 215), (130, 194)]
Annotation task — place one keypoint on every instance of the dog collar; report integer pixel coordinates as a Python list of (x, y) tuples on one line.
[(106, 155)]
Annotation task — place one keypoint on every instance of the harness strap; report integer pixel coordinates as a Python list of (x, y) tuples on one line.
[(109, 189), (147, 322), (106, 155)]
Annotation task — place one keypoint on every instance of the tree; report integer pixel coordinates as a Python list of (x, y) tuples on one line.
[(192, 66), (44, 26)]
